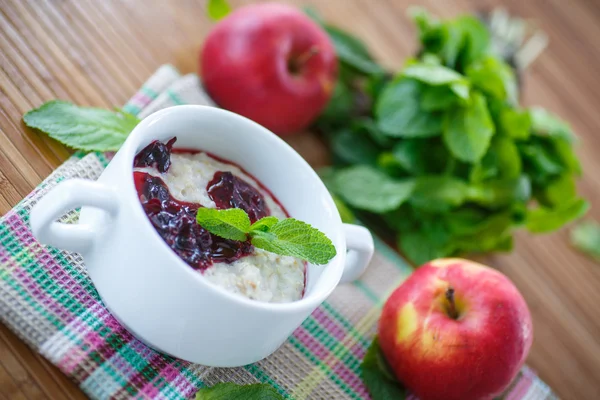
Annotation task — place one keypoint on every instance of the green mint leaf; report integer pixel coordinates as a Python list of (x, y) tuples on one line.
[(313, 14), (128, 116), (496, 194), (558, 191), (494, 233), (410, 155), (370, 128), (544, 123), (82, 128), (421, 156), (476, 39), (232, 223), (438, 75), (515, 124), (495, 78), (501, 161), (540, 160), (425, 22), (264, 224), (290, 237), (468, 130), (326, 174), (354, 147), (436, 98), (339, 106), (435, 75), (543, 220), (352, 52), (565, 153), (378, 376), (400, 114), (438, 193), (217, 9), (368, 189), (232, 391), (431, 241), (586, 237)]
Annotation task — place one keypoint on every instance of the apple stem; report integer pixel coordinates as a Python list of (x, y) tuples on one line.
[(297, 64), (451, 305)]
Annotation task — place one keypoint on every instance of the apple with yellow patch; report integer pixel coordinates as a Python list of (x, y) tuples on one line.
[(455, 330)]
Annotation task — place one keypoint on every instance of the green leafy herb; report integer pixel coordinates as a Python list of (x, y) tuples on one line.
[(264, 224), (378, 376), (400, 114), (586, 237), (438, 75), (217, 9), (515, 123), (438, 193), (436, 98), (354, 147), (425, 243), (352, 52), (442, 152), (232, 391), (82, 128), (542, 122), (231, 224), (543, 220), (495, 78), (349, 49), (288, 237), (468, 130), (369, 189)]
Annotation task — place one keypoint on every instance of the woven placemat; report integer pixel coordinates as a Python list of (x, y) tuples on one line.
[(47, 298)]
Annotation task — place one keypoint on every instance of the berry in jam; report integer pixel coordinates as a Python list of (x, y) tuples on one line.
[(175, 222), (229, 191), (157, 154)]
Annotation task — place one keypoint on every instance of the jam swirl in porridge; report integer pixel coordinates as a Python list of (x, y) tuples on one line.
[(173, 183)]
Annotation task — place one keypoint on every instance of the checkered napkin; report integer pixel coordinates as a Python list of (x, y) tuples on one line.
[(47, 298)]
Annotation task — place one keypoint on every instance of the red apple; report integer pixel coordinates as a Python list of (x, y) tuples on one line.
[(270, 63), (455, 330)]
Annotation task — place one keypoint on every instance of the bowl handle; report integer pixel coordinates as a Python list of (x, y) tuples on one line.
[(359, 244), (66, 196)]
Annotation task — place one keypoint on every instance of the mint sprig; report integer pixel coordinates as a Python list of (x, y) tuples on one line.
[(287, 237), (82, 128)]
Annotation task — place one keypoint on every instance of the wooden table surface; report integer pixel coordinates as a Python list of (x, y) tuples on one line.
[(98, 53)]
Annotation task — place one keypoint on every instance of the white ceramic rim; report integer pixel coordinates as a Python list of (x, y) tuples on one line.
[(135, 141)]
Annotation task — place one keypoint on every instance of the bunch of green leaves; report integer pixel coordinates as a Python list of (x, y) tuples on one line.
[(287, 237), (442, 153)]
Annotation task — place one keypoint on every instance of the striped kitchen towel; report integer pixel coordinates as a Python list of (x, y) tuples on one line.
[(47, 298)]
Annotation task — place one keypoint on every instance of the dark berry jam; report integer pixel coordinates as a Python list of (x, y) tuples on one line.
[(229, 191), (156, 154), (175, 222)]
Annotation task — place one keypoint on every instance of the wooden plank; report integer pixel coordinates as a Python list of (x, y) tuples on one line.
[(31, 366)]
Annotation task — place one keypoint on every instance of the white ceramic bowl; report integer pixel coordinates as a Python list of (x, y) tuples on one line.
[(156, 295)]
